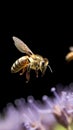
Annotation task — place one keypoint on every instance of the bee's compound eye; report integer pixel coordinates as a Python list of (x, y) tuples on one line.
[(43, 63)]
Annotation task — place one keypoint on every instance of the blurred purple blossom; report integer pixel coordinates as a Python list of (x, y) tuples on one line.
[(40, 115)]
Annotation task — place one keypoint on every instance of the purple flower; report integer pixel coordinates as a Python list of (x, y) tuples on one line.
[(40, 115)]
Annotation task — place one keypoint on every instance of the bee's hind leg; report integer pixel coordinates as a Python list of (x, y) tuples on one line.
[(36, 71), (23, 70), (28, 74)]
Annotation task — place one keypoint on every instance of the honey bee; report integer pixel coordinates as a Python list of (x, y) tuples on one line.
[(69, 56), (28, 62)]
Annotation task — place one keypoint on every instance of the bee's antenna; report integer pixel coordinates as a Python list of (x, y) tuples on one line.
[(50, 68)]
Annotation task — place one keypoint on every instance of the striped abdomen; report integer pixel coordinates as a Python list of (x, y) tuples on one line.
[(20, 64)]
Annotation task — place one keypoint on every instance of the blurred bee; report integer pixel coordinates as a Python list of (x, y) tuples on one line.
[(69, 56), (28, 62)]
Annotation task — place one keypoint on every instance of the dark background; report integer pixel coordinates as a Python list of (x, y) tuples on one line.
[(46, 33)]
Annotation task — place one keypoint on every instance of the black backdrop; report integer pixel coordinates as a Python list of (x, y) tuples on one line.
[(49, 35)]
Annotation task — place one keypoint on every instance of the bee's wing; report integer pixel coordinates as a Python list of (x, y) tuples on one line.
[(71, 48), (21, 46)]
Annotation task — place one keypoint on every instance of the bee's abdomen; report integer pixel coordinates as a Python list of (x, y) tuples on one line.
[(20, 64)]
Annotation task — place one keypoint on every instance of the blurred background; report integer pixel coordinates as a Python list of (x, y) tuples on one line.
[(46, 33)]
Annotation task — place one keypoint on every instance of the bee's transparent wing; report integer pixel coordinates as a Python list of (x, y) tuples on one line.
[(21, 46)]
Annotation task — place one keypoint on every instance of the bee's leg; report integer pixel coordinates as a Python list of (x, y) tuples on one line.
[(36, 71), (28, 74), (23, 70), (43, 72)]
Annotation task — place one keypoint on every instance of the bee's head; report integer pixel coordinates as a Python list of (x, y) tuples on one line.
[(44, 65), (45, 62)]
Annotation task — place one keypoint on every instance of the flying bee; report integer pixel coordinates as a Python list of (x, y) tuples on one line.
[(69, 56), (28, 62)]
